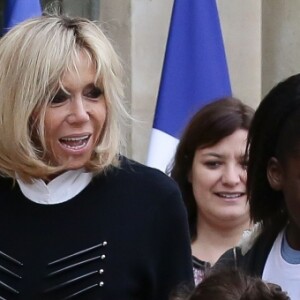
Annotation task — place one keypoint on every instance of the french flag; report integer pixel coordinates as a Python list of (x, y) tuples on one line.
[(194, 74), (17, 11)]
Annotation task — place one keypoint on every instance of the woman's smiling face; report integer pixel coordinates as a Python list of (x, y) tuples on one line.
[(218, 178), (75, 117)]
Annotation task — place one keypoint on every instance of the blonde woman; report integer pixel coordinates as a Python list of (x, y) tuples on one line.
[(78, 219)]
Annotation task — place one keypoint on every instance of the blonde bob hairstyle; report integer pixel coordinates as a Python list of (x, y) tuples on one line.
[(33, 57)]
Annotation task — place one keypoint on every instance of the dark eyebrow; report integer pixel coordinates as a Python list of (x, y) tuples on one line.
[(93, 85), (213, 154), (61, 92)]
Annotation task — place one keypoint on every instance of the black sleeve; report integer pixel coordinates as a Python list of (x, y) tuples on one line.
[(174, 263), (228, 259), (253, 261)]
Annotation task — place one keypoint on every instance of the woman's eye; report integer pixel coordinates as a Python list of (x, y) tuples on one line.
[(59, 98), (94, 93), (212, 164)]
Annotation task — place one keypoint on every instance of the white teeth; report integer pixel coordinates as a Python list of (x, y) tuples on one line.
[(75, 143), (77, 147), (75, 139), (229, 196)]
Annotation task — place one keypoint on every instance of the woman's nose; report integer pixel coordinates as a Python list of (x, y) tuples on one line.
[(232, 175), (78, 111)]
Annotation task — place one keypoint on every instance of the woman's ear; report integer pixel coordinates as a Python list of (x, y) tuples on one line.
[(274, 174)]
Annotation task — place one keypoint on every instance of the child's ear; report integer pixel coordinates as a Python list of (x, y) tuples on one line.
[(274, 174)]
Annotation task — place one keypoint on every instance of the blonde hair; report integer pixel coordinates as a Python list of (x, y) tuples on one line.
[(34, 56)]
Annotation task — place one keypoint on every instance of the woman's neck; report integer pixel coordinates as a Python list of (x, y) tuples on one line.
[(212, 241)]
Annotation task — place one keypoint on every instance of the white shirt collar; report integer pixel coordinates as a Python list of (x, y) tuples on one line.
[(60, 189)]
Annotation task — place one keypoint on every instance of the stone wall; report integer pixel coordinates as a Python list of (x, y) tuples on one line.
[(261, 38)]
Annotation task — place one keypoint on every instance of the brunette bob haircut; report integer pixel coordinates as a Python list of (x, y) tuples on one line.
[(275, 132), (208, 126), (34, 56)]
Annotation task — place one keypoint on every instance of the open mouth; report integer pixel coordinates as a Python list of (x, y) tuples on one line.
[(75, 143)]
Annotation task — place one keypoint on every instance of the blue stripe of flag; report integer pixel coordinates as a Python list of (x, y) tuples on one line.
[(195, 69), (17, 11)]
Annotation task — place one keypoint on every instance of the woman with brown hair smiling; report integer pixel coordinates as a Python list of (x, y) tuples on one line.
[(211, 169)]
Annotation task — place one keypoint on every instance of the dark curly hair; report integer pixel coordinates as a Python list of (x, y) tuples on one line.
[(275, 132)]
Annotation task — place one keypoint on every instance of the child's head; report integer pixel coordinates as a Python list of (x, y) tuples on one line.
[(274, 155), (231, 284)]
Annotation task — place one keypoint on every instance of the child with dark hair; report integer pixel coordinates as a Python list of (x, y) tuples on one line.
[(273, 250), (231, 284)]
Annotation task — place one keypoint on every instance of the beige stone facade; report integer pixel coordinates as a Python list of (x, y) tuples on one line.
[(261, 39)]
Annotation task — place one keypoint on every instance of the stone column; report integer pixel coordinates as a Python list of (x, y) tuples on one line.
[(280, 41), (241, 27), (115, 18)]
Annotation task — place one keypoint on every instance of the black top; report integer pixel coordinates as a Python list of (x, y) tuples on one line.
[(253, 261), (125, 236)]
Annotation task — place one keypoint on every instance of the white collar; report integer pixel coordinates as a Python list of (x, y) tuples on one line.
[(60, 189)]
